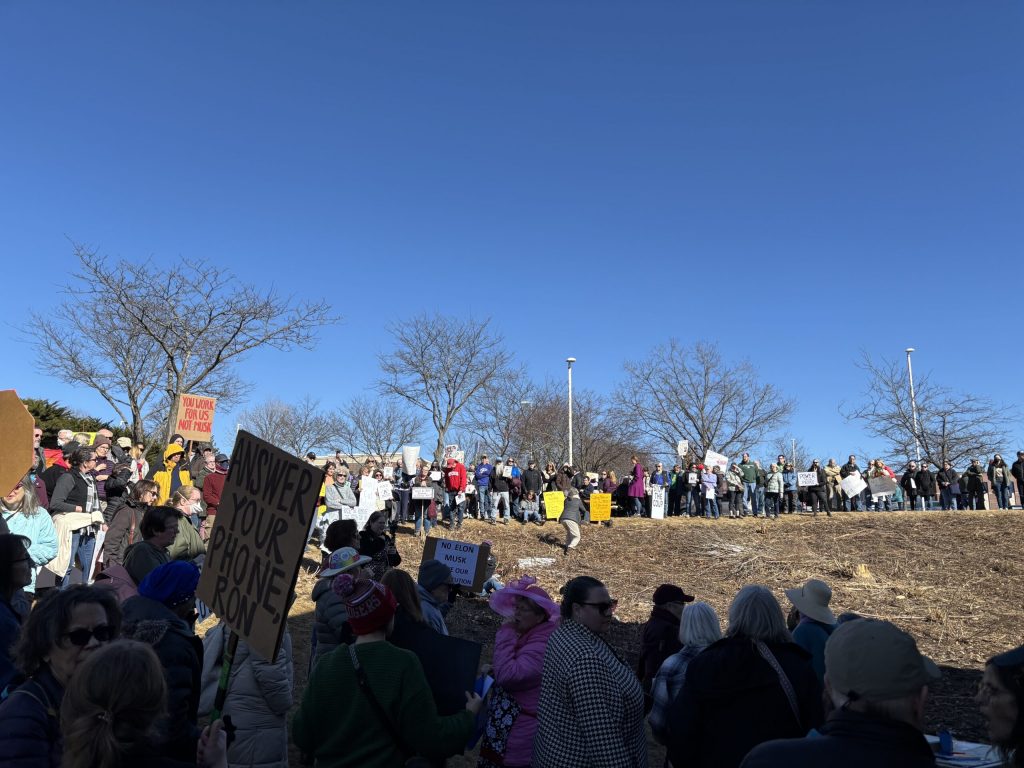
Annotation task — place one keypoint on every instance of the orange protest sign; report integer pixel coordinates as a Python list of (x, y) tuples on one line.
[(16, 425), (194, 419)]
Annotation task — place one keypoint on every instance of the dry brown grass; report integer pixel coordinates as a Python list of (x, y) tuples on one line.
[(954, 580)]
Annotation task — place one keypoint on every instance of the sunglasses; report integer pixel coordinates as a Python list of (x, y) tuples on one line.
[(603, 607), (81, 637)]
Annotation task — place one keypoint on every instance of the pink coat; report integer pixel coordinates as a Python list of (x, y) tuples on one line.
[(636, 487), (518, 665)]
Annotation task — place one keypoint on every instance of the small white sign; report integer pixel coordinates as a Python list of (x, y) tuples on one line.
[(712, 459), (806, 479), (422, 493), (506, 471), (657, 503), (436, 476), (682, 448)]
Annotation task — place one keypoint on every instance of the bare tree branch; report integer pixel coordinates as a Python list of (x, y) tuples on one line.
[(690, 393), (951, 426), (298, 428), (176, 328), (440, 364), (376, 428)]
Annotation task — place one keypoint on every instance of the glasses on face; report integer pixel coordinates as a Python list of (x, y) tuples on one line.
[(81, 637), (604, 607)]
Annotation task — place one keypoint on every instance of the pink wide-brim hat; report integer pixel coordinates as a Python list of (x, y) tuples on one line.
[(503, 602)]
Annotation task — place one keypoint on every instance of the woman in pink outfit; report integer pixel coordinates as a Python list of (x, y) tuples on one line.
[(518, 664)]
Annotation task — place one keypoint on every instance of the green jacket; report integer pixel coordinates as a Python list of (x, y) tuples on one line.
[(749, 470), (356, 736)]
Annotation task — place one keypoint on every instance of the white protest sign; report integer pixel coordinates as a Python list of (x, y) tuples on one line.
[(882, 486), (682, 448), (410, 455), (691, 478), (389, 472), (367, 493), (506, 471), (712, 459), (853, 485), (657, 502), (436, 476), (460, 456), (384, 490), (422, 493), (450, 451), (467, 561), (806, 479), (257, 542), (360, 514)]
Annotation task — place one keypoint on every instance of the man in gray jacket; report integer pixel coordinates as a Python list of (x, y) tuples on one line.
[(433, 581)]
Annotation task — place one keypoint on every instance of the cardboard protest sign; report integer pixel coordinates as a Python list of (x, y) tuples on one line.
[(410, 455), (194, 419), (805, 479), (16, 427), (422, 492), (554, 503), (882, 486), (257, 542), (657, 502), (600, 507), (467, 561), (712, 459), (853, 485)]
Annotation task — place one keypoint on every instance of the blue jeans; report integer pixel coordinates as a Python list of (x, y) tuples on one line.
[(693, 504), (638, 506), (946, 496), (453, 511), (83, 546), (750, 494), (1002, 494), (711, 506), (486, 512), (421, 517)]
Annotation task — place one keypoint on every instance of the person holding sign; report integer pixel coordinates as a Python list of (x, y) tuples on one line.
[(424, 505), (375, 696), (375, 544), (817, 494)]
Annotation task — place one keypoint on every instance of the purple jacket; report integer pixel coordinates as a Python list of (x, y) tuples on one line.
[(518, 664), (636, 488)]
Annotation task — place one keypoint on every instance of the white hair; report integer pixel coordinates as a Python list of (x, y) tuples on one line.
[(756, 614), (699, 626)]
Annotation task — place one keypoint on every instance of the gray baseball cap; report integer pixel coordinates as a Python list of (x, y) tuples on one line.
[(875, 660)]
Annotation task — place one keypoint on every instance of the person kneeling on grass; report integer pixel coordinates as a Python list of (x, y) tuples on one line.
[(530, 507)]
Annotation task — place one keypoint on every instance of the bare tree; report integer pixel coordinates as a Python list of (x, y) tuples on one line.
[(691, 393), (296, 427), (794, 449), (440, 364), (163, 331), (951, 426), (377, 428), (495, 417)]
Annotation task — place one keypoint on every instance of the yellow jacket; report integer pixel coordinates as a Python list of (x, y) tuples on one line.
[(162, 477)]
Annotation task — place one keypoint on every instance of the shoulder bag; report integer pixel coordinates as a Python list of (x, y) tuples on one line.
[(787, 686), (364, 685)]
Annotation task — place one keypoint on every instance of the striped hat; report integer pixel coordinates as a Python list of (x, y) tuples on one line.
[(370, 604)]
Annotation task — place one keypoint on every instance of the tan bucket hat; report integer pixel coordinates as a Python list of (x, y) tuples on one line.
[(812, 600)]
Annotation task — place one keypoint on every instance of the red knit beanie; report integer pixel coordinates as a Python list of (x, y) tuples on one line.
[(370, 604)]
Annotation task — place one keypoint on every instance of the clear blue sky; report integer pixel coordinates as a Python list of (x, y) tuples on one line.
[(795, 180)]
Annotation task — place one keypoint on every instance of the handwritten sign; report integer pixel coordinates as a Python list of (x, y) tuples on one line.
[(506, 471), (554, 503), (450, 451), (853, 485), (257, 542), (600, 507), (712, 459), (422, 493), (657, 502), (467, 561), (806, 479), (384, 490), (682, 448), (361, 515), (367, 493), (194, 419)]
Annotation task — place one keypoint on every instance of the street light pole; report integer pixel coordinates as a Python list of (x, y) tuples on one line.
[(913, 404), (570, 361)]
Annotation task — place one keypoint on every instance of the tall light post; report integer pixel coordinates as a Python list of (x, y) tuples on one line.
[(913, 404), (533, 453), (570, 361)]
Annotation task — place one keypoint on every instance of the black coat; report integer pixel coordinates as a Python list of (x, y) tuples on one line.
[(181, 656), (925, 483), (732, 701), (533, 481), (848, 740), (973, 479), (1017, 470), (660, 640), (29, 725)]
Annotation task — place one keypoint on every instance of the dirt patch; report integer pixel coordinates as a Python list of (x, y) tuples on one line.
[(953, 580)]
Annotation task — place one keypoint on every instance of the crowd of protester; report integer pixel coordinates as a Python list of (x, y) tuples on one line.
[(113, 673)]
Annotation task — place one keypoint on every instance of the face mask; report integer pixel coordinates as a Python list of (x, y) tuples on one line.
[(197, 507)]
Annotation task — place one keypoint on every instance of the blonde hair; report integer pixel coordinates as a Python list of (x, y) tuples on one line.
[(181, 495), (112, 704)]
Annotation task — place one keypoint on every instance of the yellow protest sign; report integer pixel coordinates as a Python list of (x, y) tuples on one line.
[(554, 503), (600, 507)]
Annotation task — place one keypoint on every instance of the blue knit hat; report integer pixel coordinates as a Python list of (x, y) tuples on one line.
[(172, 583)]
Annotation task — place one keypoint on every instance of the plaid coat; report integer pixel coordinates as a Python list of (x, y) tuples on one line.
[(591, 711)]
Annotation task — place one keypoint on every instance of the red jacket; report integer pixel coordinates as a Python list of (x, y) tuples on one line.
[(455, 478), (213, 487)]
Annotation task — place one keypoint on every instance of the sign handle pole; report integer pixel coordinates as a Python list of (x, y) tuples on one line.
[(225, 674)]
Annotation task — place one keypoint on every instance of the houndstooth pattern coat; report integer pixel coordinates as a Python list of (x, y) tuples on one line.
[(591, 711)]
